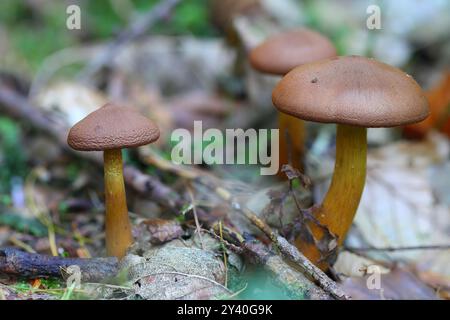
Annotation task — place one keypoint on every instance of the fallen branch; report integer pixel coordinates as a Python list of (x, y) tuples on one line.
[(290, 252), (295, 282), (32, 265), (17, 106)]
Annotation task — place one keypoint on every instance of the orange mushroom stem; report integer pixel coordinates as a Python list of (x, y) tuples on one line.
[(117, 225), (345, 191)]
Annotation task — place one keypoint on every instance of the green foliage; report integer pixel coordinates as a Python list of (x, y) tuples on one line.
[(11, 10), (314, 22), (101, 20), (12, 158), (21, 224), (51, 283), (189, 17), (72, 171), (35, 34), (192, 17), (51, 286), (22, 286)]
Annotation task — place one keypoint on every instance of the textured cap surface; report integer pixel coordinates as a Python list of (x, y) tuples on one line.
[(112, 127), (285, 51), (351, 90)]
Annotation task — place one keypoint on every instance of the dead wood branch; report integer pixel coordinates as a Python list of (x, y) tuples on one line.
[(32, 265), (290, 252), (296, 283)]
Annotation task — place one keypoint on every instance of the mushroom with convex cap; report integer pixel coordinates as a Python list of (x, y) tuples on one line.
[(355, 93), (110, 129), (278, 55)]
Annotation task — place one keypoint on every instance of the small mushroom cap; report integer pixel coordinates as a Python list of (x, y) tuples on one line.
[(351, 90), (112, 127), (285, 51)]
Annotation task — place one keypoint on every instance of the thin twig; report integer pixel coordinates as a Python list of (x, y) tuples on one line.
[(292, 253), (21, 244), (294, 280), (194, 210), (225, 263), (236, 249)]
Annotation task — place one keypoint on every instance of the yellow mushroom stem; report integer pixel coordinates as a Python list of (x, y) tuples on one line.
[(342, 199), (118, 227), (292, 141)]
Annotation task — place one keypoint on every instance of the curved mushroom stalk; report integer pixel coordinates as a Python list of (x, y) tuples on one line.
[(117, 225), (342, 199)]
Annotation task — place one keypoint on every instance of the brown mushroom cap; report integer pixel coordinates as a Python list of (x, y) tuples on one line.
[(351, 90), (112, 127), (285, 51)]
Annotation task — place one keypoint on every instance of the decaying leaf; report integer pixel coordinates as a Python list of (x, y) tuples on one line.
[(162, 231), (399, 209), (293, 173), (178, 270)]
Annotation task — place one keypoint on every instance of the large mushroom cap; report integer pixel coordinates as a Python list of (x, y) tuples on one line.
[(285, 51), (351, 90), (112, 127)]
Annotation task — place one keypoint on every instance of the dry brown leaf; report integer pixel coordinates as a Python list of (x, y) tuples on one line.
[(398, 207), (162, 231)]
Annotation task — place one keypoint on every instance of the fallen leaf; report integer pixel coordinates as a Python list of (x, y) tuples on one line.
[(162, 231), (399, 209), (177, 271)]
